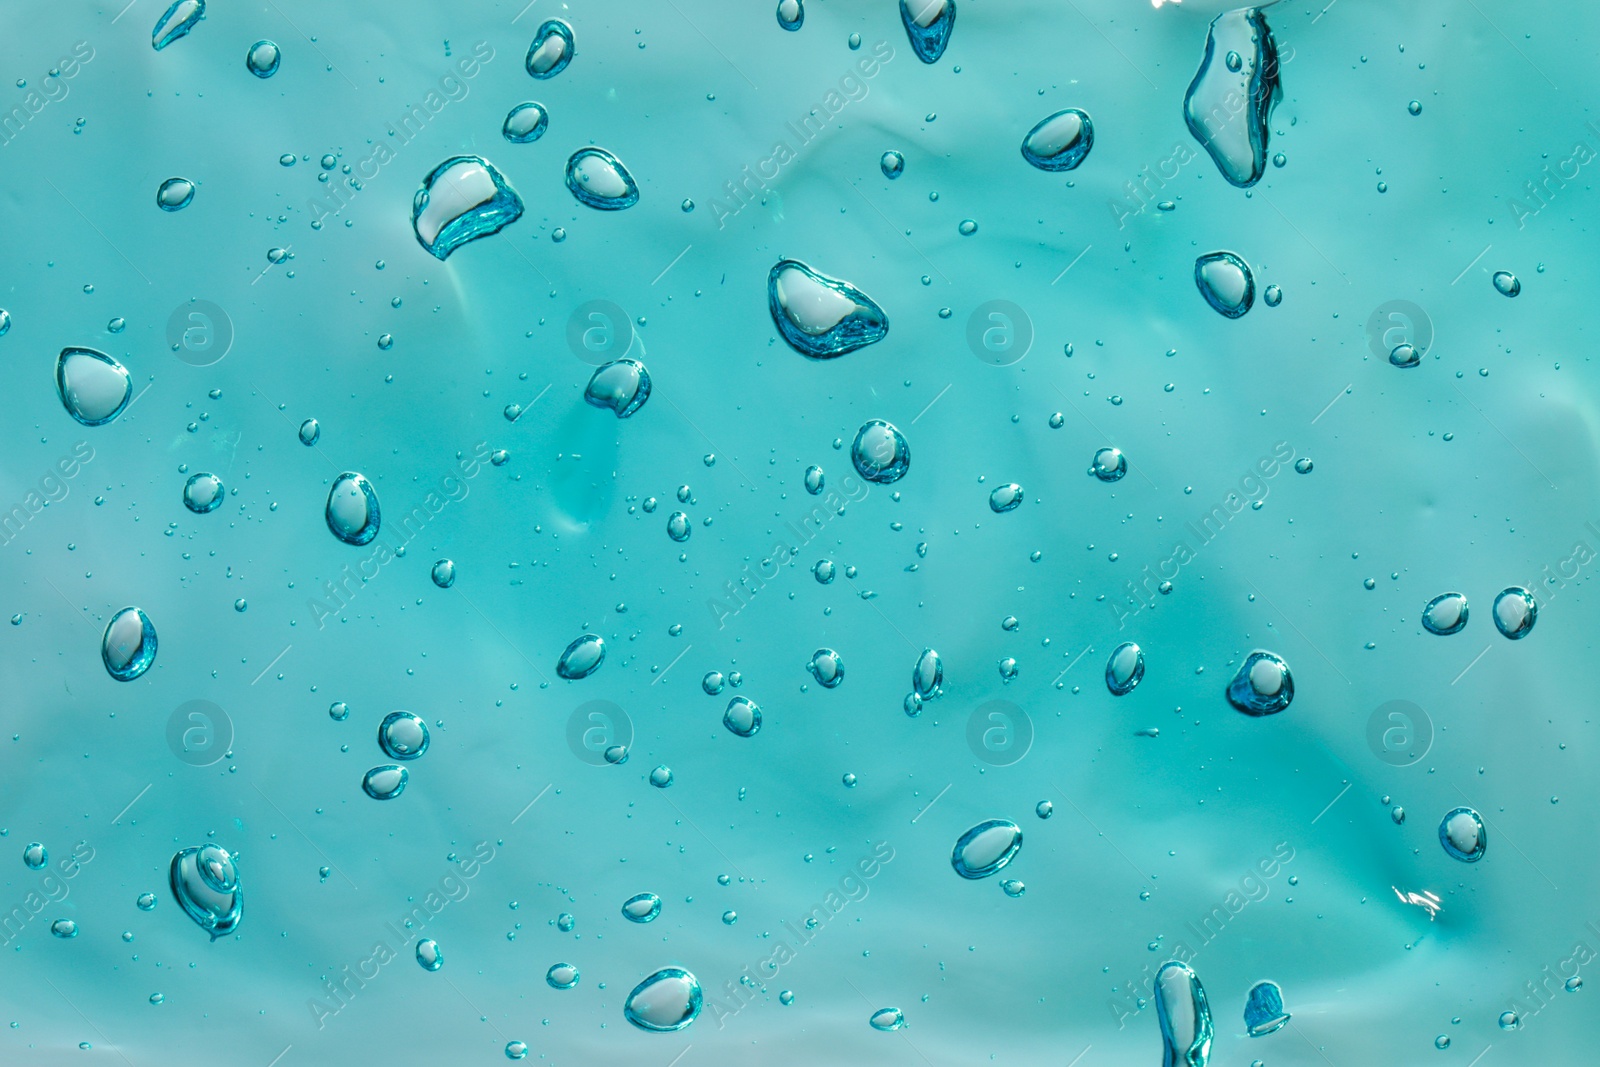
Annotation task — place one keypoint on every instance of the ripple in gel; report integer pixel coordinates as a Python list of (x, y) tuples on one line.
[(443, 573), (1059, 142), (128, 646), (35, 856), (1124, 669), (1462, 834), (552, 49), (582, 658), (622, 386), (821, 317), (743, 717), (1515, 613), (462, 199), (642, 908), (928, 24), (175, 194), (178, 20), (94, 387), (1445, 614), (880, 452), (666, 1001), (1226, 283), (429, 956), (791, 14), (385, 782), (202, 493), (1230, 101), (887, 1019), (1263, 685), (205, 883), (1005, 498), (1263, 1009), (826, 667), (561, 976), (403, 735), (352, 512), (525, 123), (263, 58), (986, 848), (1184, 1016), (1109, 465), (928, 674), (598, 178)]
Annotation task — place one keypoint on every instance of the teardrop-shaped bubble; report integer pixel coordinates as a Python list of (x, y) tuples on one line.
[(815, 480), (1124, 669), (385, 782), (1184, 1016), (263, 58), (202, 493), (35, 856), (582, 658), (443, 573), (205, 883), (821, 317), (552, 49), (1005, 498), (1109, 465), (880, 452), (1515, 612), (642, 908), (826, 667), (1059, 142), (310, 432), (462, 199), (1445, 614), (927, 675), (352, 513), (1506, 283), (623, 385), (128, 646), (177, 21), (1463, 836), (986, 848), (791, 14), (893, 164), (1226, 283), (928, 24), (525, 123), (403, 735), (1263, 685), (94, 387), (1263, 1009), (598, 178), (429, 955), (175, 194), (667, 1000), (1228, 107), (887, 1019), (743, 717), (561, 976), (1405, 356)]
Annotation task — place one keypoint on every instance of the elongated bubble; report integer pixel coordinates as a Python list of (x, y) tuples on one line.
[(986, 848), (176, 22), (928, 24), (1184, 1016), (928, 674), (1124, 669), (582, 658), (352, 512), (462, 199), (385, 782), (525, 123), (598, 178), (1240, 68), (552, 49), (641, 908), (1060, 141), (205, 883), (666, 1001), (821, 317), (1226, 283), (128, 646)]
